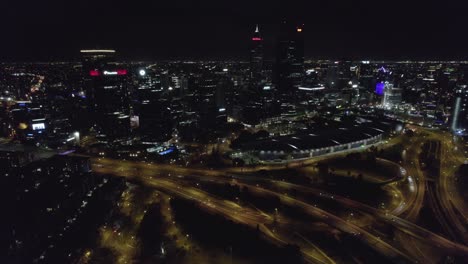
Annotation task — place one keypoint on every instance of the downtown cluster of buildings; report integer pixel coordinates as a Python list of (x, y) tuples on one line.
[(108, 105), (267, 109)]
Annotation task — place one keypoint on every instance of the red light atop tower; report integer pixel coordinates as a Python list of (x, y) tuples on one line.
[(122, 72), (256, 39), (94, 73)]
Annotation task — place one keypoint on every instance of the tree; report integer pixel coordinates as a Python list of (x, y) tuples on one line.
[(261, 134), (238, 162), (151, 231), (103, 256)]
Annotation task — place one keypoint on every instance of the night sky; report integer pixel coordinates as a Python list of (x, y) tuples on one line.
[(45, 30)]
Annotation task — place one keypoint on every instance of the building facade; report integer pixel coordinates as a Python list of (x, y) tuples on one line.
[(290, 58), (107, 89)]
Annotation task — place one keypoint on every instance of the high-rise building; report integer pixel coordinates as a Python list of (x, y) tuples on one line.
[(106, 84), (256, 57), (366, 76), (151, 110), (460, 110), (290, 58), (332, 75), (392, 96)]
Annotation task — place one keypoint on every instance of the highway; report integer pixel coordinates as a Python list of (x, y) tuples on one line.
[(148, 171), (401, 224), (169, 179), (215, 205), (453, 209), (416, 180)]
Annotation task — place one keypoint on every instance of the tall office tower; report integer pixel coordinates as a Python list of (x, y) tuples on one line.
[(151, 113), (220, 94), (184, 85), (256, 58), (290, 58), (462, 72), (366, 76), (332, 75), (460, 110), (391, 97), (345, 73), (106, 84), (209, 100)]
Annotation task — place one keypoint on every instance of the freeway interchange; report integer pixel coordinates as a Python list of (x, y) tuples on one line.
[(395, 234)]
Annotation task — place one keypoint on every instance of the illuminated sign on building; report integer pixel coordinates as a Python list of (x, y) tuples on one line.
[(122, 72), (256, 39), (168, 151), (94, 73), (117, 72), (110, 73), (39, 126), (161, 150), (379, 88)]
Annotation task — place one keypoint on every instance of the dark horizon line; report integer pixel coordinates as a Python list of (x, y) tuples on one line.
[(243, 60)]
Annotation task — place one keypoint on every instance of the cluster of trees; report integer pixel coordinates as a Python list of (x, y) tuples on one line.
[(393, 153), (151, 232), (217, 231), (463, 170)]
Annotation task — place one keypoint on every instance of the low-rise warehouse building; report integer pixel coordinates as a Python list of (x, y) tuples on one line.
[(318, 143)]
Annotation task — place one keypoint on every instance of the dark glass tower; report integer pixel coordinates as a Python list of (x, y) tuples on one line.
[(290, 58), (256, 57), (106, 84)]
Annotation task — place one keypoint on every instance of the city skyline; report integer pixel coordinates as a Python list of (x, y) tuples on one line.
[(209, 30), (322, 132)]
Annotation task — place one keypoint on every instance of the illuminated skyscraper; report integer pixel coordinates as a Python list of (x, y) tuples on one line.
[(290, 58), (460, 110), (391, 96), (107, 92), (256, 57)]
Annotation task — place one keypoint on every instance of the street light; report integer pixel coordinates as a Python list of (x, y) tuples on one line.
[(77, 137)]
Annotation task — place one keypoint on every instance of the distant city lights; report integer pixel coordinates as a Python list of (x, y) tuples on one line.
[(97, 51), (312, 88)]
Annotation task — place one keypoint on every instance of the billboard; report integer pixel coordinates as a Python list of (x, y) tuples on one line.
[(38, 126)]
